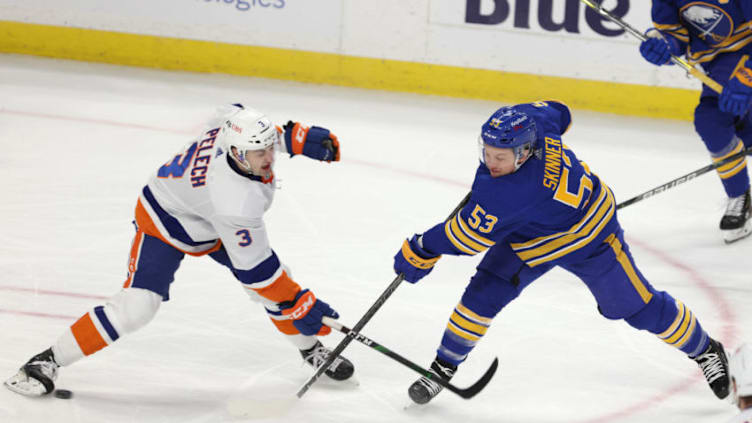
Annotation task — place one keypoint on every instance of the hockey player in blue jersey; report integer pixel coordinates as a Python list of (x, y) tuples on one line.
[(718, 35), (534, 206)]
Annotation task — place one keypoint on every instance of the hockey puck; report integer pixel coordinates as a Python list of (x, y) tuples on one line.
[(63, 394)]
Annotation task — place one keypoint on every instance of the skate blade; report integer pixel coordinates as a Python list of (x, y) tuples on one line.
[(24, 385), (734, 235)]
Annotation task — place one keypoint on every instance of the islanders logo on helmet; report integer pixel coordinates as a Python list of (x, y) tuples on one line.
[(509, 128), (712, 23), (244, 130)]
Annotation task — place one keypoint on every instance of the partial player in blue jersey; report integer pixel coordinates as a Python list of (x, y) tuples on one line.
[(718, 35), (560, 214)]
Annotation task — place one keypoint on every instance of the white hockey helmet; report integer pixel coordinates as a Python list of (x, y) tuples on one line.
[(740, 367), (246, 129)]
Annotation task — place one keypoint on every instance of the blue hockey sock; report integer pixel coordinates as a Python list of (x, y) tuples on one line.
[(734, 174), (686, 332), (464, 330), (673, 322)]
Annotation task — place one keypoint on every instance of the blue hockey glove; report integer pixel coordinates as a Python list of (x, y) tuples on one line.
[(413, 261), (315, 142), (737, 94), (659, 47), (306, 312)]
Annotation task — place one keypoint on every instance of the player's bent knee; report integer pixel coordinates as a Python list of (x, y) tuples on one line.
[(133, 308), (655, 314), (487, 293), (714, 127)]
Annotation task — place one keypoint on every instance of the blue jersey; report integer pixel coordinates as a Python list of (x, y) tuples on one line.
[(552, 209), (706, 28)]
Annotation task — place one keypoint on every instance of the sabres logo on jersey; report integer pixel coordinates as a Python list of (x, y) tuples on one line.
[(711, 23)]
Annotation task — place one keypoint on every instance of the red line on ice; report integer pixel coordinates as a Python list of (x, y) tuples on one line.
[(96, 121), (35, 314), (728, 335), (48, 292), (186, 132)]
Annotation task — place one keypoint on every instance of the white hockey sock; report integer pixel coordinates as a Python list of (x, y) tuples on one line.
[(302, 342)]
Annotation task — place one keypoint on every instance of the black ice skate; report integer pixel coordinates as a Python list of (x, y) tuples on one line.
[(340, 369), (714, 365), (36, 377), (736, 222), (424, 389)]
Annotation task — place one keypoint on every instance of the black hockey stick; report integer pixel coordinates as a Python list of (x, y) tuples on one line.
[(715, 86), (466, 393), (363, 320), (344, 342), (682, 179)]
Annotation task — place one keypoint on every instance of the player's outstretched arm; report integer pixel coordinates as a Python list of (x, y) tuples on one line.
[(315, 142)]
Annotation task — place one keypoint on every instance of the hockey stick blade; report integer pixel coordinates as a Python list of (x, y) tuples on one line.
[(476, 387), (466, 393)]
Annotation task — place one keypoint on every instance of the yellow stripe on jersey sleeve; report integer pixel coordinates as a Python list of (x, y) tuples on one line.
[(671, 27), (465, 239), (676, 30), (474, 235), (457, 244)]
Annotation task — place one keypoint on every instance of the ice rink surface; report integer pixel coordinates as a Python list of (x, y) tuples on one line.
[(79, 140)]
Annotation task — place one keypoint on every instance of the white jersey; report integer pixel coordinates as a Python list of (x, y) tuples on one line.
[(200, 201), (744, 417)]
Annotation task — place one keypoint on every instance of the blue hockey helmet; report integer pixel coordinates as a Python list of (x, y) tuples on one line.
[(509, 128)]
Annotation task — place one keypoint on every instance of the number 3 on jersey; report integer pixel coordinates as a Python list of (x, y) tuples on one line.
[(562, 193), (176, 168), (245, 237)]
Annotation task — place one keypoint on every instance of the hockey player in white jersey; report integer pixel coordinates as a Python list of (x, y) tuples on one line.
[(740, 366), (208, 200)]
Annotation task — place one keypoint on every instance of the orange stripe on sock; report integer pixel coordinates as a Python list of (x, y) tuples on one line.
[(87, 336), (282, 289)]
